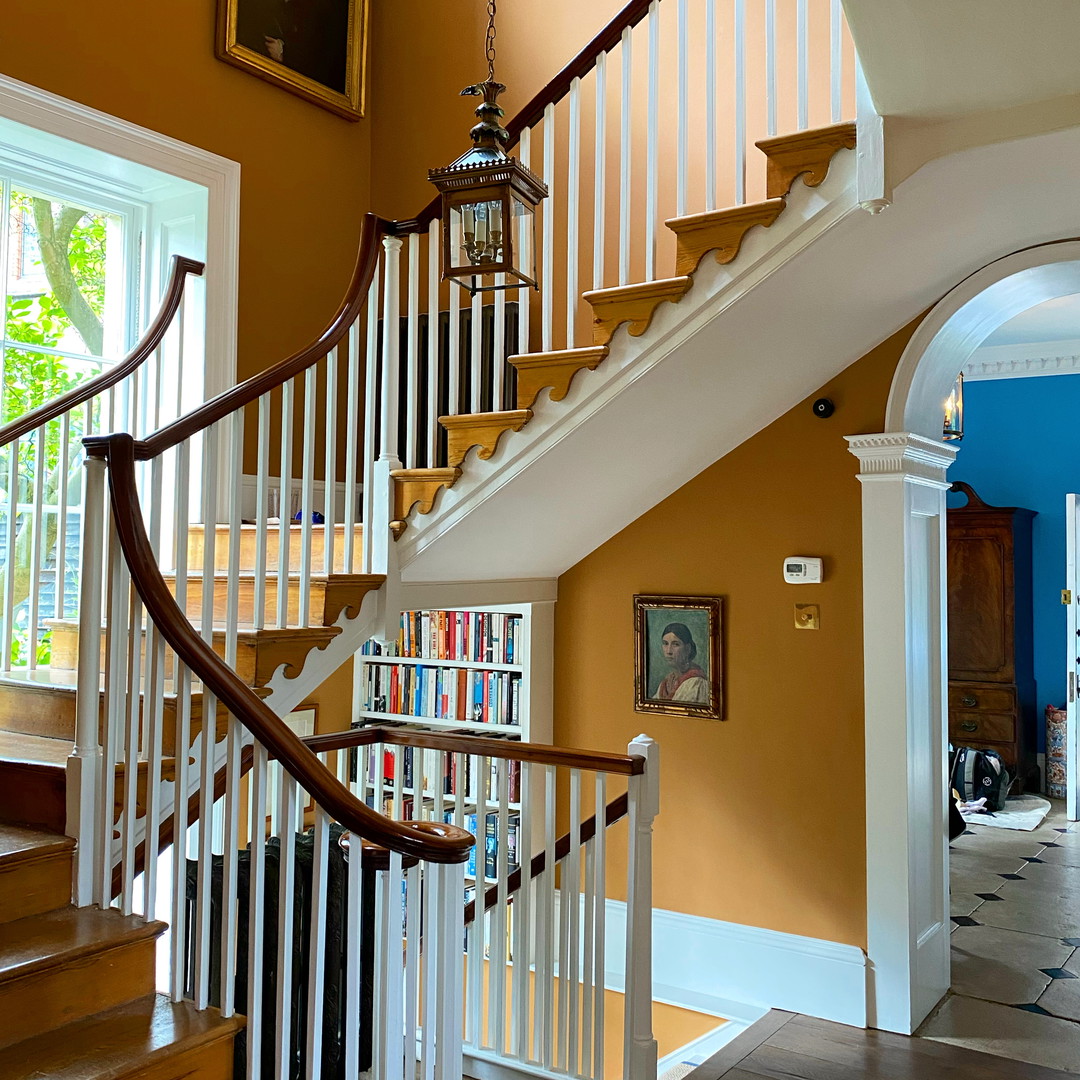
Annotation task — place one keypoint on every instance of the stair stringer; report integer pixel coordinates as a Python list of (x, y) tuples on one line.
[(805, 299), (472, 532)]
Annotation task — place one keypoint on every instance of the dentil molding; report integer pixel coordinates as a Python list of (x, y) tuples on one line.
[(901, 455)]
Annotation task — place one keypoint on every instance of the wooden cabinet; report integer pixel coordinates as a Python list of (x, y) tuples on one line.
[(991, 663)]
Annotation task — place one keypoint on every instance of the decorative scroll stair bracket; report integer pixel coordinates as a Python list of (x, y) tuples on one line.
[(634, 304), (479, 429), (77, 997), (417, 488), (721, 231), (259, 653), (552, 369), (329, 595), (806, 154)]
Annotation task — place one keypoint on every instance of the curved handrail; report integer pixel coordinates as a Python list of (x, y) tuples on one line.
[(628, 17), (252, 389), (78, 395), (119, 453)]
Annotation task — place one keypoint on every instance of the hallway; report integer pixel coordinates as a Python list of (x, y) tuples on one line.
[(1015, 965)]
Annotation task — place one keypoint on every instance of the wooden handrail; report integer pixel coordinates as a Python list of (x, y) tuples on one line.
[(252, 389), (556, 89), (615, 811), (79, 395), (538, 753), (450, 845)]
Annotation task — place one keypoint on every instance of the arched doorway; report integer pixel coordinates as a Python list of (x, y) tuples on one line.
[(903, 477)]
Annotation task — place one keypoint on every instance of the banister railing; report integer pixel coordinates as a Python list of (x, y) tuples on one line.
[(40, 491)]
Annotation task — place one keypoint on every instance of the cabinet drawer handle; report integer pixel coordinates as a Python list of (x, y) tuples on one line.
[(970, 725), (969, 701)]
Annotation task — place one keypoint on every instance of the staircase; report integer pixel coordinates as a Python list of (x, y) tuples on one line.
[(241, 620), (77, 997)]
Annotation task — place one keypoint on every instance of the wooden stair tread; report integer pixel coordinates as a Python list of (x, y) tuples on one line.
[(56, 938), (121, 1043), (419, 487), (721, 231), (34, 749), (19, 846), (482, 430), (634, 304), (804, 153), (552, 369)]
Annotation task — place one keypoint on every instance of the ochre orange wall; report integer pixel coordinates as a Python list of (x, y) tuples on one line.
[(762, 818), (304, 171)]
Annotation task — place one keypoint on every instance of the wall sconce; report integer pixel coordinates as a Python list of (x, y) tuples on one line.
[(953, 428)]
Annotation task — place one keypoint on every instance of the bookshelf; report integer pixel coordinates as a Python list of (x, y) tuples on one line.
[(481, 669), (477, 670)]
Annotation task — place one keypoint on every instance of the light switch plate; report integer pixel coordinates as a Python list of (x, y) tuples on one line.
[(807, 617)]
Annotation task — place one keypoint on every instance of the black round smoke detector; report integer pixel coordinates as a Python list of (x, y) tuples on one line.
[(824, 407)]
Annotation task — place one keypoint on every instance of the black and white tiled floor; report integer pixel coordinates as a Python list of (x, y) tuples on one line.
[(1015, 944)]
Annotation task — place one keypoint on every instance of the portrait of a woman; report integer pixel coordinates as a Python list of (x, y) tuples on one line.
[(678, 665), (686, 681)]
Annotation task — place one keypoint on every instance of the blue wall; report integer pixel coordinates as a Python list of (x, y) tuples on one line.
[(1021, 447)]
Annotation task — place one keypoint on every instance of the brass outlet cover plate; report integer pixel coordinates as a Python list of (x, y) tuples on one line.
[(807, 617)]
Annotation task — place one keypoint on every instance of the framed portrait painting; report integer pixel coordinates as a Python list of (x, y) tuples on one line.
[(678, 662), (313, 48)]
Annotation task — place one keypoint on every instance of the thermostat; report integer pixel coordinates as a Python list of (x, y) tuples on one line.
[(802, 570)]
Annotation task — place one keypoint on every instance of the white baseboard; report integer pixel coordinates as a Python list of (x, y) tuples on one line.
[(739, 971)]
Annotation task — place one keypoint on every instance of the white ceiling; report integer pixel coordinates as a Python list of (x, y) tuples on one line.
[(1053, 320), (947, 58)]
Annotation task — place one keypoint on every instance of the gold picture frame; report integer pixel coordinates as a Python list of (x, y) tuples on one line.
[(678, 656), (316, 49)]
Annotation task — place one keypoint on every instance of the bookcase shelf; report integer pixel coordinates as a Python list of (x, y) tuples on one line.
[(454, 687)]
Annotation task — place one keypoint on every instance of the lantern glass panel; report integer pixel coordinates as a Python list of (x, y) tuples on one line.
[(524, 247), (477, 233)]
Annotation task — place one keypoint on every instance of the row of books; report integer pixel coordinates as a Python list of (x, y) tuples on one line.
[(449, 782), (461, 694), (490, 841), (487, 637)]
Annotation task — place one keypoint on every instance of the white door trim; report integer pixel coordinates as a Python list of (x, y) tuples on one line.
[(68, 119), (905, 660)]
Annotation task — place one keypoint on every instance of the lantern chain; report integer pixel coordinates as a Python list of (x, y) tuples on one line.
[(491, 40)]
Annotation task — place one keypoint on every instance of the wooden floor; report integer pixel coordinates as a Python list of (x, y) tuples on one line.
[(787, 1046)]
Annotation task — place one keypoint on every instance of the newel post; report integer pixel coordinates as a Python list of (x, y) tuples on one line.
[(84, 764), (643, 790)]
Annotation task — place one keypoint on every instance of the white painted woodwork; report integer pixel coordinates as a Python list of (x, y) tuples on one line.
[(905, 674)]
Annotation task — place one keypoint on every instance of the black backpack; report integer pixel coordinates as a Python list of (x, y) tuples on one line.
[(981, 774)]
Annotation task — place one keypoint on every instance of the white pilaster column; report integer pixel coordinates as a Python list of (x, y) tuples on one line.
[(905, 676)]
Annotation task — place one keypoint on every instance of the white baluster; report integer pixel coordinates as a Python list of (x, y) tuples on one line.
[(652, 157), (571, 916), (230, 863), (38, 533), (476, 353), (547, 269), (600, 934), (740, 101), (413, 884), (639, 1046), (433, 335), (391, 351), (545, 935), (64, 468), (8, 622), (498, 356), (454, 361), (262, 490), (285, 503), (256, 912), (354, 935), (710, 104), (354, 442), (497, 967), (286, 946), (573, 195), (86, 755), (600, 172), (412, 332), (307, 500), (370, 424), (330, 463), (524, 228), (117, 587), (522, 1014), (682, 120), (626, 140)]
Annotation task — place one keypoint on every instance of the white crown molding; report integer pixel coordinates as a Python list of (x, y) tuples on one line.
[(1023, 361)]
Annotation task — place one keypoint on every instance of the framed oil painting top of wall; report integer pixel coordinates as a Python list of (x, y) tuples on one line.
[(313, 48), (678, 663)]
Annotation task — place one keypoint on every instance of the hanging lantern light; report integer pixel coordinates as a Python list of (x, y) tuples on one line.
[(488, 200), (953, 428)]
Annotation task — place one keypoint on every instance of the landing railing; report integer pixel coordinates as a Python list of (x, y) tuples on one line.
[(41, 478), (552, 825)]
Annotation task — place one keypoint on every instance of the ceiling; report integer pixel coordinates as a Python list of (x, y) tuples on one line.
[(934, 59), (1052, 320)]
